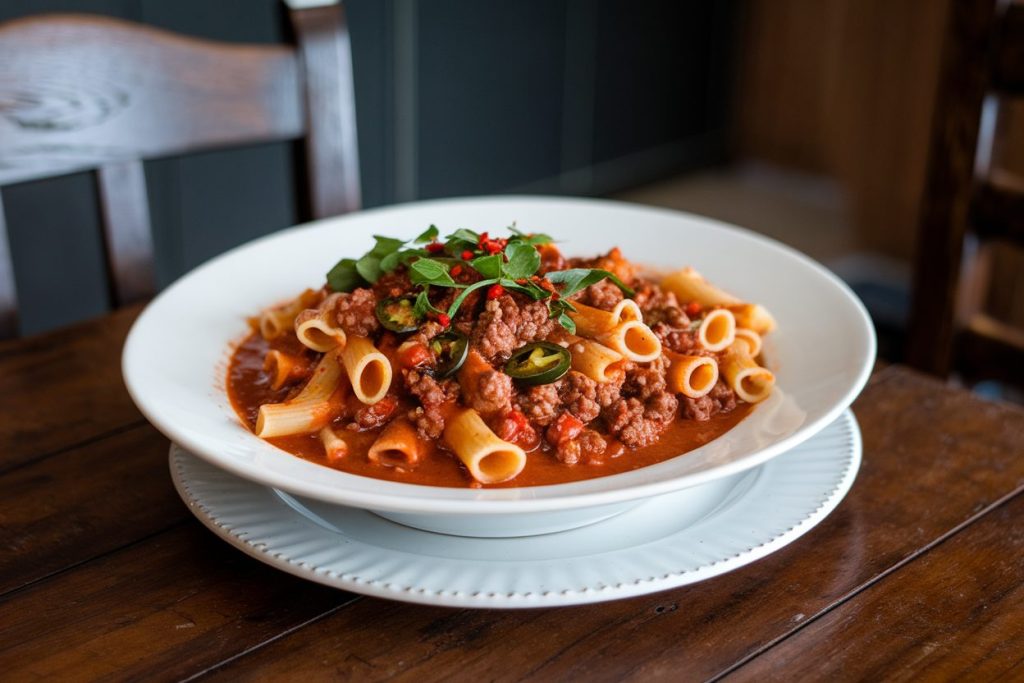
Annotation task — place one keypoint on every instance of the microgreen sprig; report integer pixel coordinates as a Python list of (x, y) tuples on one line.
[(502, 263)]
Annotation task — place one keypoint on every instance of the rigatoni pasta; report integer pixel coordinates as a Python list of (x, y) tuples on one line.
[(485, 361)]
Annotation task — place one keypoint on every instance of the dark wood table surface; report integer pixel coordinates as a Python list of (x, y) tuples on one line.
[(105, 574)]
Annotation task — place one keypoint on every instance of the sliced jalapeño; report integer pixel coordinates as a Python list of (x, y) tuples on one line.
[(451, 349), (398, 314), (538, 363)]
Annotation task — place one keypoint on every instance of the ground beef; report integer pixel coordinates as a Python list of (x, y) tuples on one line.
[(429, 418), (505, 325), (587, 442), (721, 399), (610, 392), (604, 295), (373, 416), (639, 423), (579, 395), (426, 332), (680, 340), (540, 404), (356, 313), (649, 296), (395, 283), (492, 393), (644, 381)]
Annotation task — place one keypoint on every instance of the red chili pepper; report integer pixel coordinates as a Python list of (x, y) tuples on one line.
[(693, 308), (444, 319), (434, 247), (495, 291), (484, 237), (456, 270), (467, 255)]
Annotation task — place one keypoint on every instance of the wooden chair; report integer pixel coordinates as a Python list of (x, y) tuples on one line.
[(967, 202), (91, 93)]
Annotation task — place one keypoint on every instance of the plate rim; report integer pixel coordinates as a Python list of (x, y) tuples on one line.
[(476, 501), (551, 598)]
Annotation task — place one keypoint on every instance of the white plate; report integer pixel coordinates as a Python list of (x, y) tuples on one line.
[(670, 541), (175, 358)]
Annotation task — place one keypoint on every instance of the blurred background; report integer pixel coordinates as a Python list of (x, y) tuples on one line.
[(806, 120)]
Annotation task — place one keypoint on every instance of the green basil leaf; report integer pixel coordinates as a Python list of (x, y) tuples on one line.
[(428, 235), (464, 235), (464, 293), (568, 323), (385, 246), (425, 271), (575, 279), (529, 288), (531, 238), (422, 304), (487, 266), (344, 277), (391, 261), (369, 268), (523, 260)]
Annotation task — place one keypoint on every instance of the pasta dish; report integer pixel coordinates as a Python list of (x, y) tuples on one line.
[(473, 360)]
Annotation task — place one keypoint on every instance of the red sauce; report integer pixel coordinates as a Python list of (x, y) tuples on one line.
[(249, 388)]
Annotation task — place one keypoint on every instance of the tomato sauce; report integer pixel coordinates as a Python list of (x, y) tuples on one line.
[(249, 387)]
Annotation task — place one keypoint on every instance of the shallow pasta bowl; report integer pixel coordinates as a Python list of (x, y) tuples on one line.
[(176, 355)]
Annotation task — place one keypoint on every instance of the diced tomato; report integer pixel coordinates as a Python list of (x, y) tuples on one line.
[(371, 417), (443, 319), (517, 429), (565, 428), (495, 291), (693, 308), (414, 355)]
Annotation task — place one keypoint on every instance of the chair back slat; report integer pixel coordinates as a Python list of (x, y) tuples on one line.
[(8, 294), (332, 155), (126, 230), (79, 92), (997, 212)]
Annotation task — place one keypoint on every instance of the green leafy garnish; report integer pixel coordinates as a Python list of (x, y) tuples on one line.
[(511, 263)]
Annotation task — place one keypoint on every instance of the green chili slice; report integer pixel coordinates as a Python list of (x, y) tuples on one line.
[(398, 314), (538, 363), (451, 349)]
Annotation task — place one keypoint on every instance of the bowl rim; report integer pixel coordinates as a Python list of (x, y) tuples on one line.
[(413, 498)]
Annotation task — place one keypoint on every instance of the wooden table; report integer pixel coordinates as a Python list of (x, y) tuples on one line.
[(104, 573)]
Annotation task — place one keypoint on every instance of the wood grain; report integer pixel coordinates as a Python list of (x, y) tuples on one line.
[(63, 388), (162, 609), (83, 91), (1008, 64), (889, 516), (126, 227), (332, 158), (61, 511), (952, 615)]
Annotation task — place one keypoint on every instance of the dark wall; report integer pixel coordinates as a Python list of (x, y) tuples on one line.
[(453, 97)]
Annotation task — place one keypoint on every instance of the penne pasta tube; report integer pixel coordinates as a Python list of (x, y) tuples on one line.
[(751, 339), (368, 369), (283, 367), (689, 285), (753, 317), (397, 446), (334, 446), (717, 330), (488, 459), (310, 410), (592, 321), (277, 320), (594, 360), (750, 381), (692, 376), (317, 328), (634, 340)]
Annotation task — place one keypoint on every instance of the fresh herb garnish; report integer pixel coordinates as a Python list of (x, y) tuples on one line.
[(503, 264)]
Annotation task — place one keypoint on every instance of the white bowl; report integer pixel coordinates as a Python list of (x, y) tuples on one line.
[(176, 355)]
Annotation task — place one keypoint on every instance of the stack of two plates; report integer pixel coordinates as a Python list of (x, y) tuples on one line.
[(740, 497)]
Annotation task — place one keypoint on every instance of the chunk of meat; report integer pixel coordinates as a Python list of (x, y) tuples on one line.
[(644, 381), (491, 393), (357, 312), (541, 404), (429, 416), (506, 324), (587, 442), (604, 295), (721, 399), (639, 423), (680, 340), (579, 396), (373, 416)]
